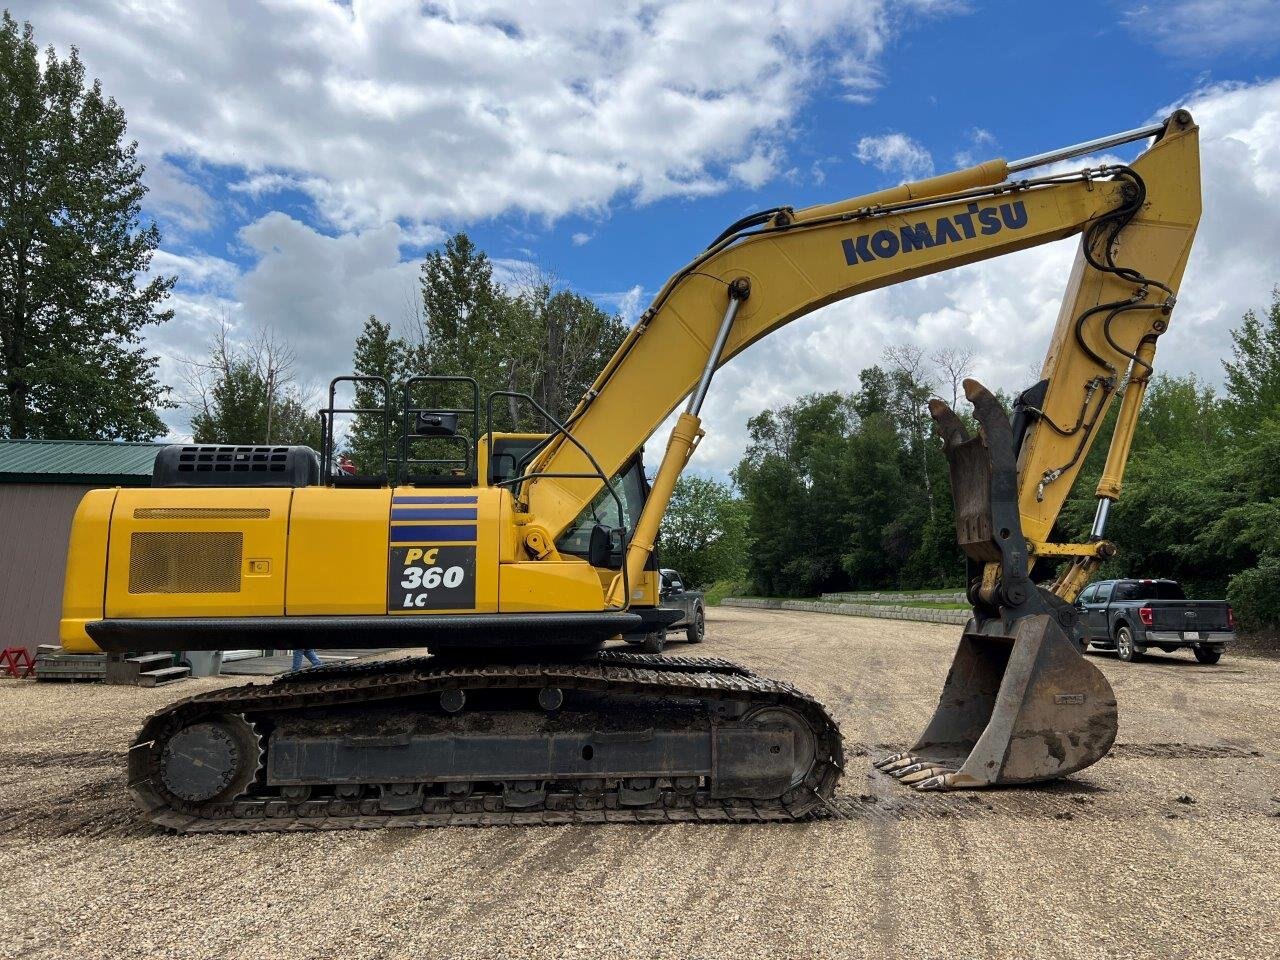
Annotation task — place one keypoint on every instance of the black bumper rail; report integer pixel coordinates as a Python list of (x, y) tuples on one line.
[(471, 631)]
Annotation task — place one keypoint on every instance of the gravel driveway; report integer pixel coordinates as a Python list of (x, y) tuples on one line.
[(1170, 847)]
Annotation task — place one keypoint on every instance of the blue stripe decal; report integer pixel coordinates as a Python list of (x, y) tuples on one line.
[(399, 500), (433, 513), (437, 534)]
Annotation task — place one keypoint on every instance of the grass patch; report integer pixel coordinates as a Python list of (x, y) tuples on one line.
[(927, 604), (724, 588)]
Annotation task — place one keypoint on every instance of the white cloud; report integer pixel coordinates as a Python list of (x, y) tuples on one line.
[(896, 153), (580, 239), (395, 110), (177, 198), (1206, 27), (627, 304), (314, 290), (198, 271), (317, 290), (1005, 309), (979, 139), (758, 169)]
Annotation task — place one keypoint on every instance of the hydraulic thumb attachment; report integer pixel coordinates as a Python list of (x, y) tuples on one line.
[(1020, 703)]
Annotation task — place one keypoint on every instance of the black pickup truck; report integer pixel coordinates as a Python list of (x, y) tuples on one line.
[(674, 597), (1131, 616)]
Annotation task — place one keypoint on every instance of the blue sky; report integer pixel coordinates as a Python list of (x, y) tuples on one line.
[(303, 155)]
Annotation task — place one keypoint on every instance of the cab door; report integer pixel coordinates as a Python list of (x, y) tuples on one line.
[(1082, 611)]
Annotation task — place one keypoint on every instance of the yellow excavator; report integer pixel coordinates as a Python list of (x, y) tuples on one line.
[(514, 557)]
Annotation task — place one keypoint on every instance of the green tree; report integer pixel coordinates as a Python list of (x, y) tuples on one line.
[(566, 341), (246, 394), (377, 354), (464, 318), (73, 250), (848, 491), (538, 340), (1253, 375), (704, 532), (794, 480)]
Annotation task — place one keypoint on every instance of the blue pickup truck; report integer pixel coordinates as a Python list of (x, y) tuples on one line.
[(1132, 616)]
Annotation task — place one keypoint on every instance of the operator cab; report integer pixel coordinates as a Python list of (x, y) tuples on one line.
[(442, 443)]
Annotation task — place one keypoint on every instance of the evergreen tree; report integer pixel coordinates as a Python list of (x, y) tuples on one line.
[(465, 316), (549, 344), (377, 354), (72, 251), (569, 339)]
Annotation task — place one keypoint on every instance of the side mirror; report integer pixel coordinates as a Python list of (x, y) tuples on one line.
[(432, 423), (600, 549)]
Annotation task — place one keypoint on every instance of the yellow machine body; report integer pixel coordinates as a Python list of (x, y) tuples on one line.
[(264, 552)]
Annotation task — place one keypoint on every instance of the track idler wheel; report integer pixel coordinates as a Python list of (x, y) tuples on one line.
[(210, 761)]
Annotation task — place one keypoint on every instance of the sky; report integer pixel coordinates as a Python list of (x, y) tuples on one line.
[(304, 155)]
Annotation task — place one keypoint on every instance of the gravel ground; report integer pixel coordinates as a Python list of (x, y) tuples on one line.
[(1167, 848)]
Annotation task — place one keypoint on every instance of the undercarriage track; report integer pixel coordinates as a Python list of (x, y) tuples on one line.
[(389, 744)]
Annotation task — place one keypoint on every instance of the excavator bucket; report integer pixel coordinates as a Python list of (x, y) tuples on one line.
[(1020, 704)]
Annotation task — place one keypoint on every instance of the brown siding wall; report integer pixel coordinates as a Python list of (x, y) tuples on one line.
[(35, 523)]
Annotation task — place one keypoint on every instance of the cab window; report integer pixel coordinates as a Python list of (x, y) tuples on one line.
[(603, 510)]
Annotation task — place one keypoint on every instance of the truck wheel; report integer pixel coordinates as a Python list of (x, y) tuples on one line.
[(1125, 648), (1207, 654), (697, 630), (654, 642)]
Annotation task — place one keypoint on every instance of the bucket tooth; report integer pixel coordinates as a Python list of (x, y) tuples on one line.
[(885, 762), (901, 772), (948, 781), (923, 774), (902, 760)]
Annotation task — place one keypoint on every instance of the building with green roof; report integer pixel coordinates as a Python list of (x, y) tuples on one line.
[(93, 463), (41, 484)]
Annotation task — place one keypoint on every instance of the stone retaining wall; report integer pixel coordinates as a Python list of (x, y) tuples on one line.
[(923, 596), (880, 612)]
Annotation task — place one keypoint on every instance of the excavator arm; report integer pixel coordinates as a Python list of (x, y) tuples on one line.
[(1019, 704), (1136, 223)]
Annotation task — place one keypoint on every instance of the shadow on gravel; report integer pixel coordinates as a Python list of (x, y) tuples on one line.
[(1172, 661), (94, 810), (76, 760)]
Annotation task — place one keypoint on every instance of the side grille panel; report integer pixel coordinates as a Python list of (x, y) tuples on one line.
[(205, 562), (201, 513)]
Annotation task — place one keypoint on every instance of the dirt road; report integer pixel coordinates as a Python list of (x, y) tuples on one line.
[(1167, 848)]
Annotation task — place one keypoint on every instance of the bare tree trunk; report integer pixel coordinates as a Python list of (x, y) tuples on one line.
[(956, 364), (908, 361)]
